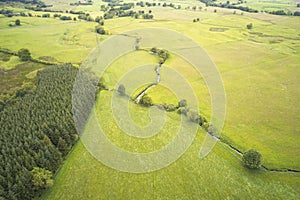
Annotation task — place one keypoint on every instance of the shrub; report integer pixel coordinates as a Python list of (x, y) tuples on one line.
[(100, 30), (182, 103), (249, 26), (18, 22), (121, 89), (169, 107), (24, 54), (163, 54), (146, 100), (183, 111), (153, 50), (193, 116), (65, 18)]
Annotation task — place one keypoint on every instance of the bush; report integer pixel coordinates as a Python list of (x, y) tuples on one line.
[(252, 159), (147, 16), (24, 54), (46, 15), (163, 54), (249, 26), (153, 50), (65, 18), (193, 116), (169, 107), (183, 111), (182, 103), (146, 100), (18, 22), (297, 13), (121, 90), (100, 30)]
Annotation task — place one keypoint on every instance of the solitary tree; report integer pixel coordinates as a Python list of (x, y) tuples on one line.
[(18, 22), (24, 54), (252, 159), (163, 54), (100, 30), (153, 50), (41, 178), (182, 103), (121, 89), (146, 100), (249, 26)]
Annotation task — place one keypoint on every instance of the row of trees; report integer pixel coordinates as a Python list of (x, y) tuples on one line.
[(37, 131), (283, 12), (251, 158), (161, 53), (84, 3), (36, 2), (149, 4), (229, 5)]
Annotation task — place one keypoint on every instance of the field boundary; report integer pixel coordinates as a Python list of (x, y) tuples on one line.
[(35, 60)]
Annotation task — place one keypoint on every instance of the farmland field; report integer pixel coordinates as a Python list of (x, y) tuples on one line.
[(259, 67)]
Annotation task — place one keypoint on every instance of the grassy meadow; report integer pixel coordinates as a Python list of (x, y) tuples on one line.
[(254, 70), (213, 177), (66, 41), (260, 72)]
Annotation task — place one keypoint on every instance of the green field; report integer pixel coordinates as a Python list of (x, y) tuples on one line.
[(267, 5), (65, 41), (260, 72), (188, 178)]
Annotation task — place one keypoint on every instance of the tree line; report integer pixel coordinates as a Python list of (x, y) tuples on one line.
[(229, 5)]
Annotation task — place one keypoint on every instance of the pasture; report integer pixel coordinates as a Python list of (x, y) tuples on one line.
[(82, 176), (253, 64), (260, 72)]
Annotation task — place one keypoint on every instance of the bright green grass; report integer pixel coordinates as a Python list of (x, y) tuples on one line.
[(218, 176), (11, 63), (140, 117), (253, 66), (270, 5), (247, 61), (266, 5), (160, 94), (260, 74), (93, 10), (67, 41), (125, 64)]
